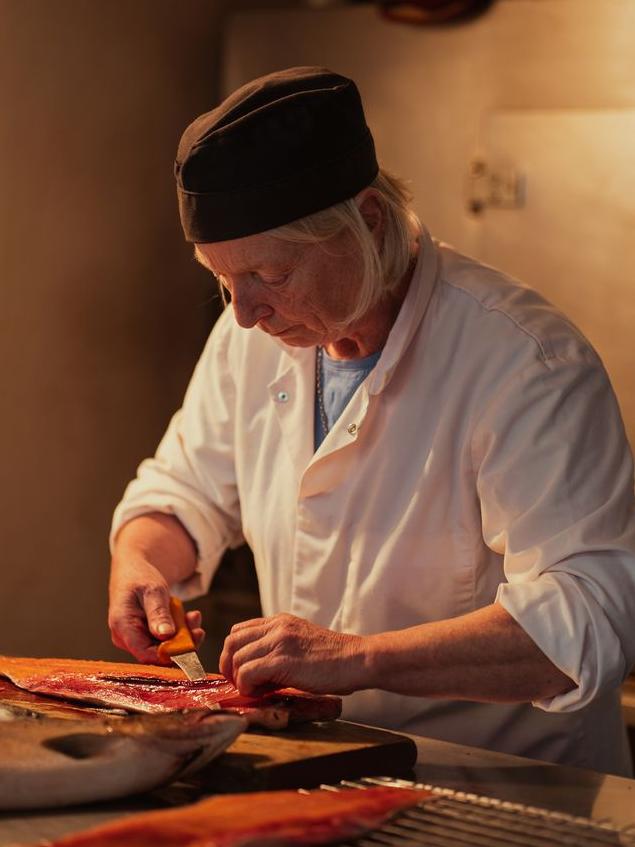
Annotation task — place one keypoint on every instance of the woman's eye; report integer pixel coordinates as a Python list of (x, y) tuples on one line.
[(272, 280)]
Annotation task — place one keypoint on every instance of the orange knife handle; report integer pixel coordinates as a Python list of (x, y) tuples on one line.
[(182, 641)]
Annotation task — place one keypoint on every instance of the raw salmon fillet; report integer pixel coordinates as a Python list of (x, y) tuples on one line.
[(152, 688), (264, 819)]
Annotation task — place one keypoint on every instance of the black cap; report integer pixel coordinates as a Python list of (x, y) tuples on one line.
[(279, 148)]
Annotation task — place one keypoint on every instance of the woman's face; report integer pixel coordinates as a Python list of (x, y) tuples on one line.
[(300, 293)]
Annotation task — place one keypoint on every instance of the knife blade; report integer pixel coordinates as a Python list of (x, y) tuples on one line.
[(180, 648)]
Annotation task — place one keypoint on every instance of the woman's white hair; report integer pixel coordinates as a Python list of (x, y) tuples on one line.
[(384, 268)]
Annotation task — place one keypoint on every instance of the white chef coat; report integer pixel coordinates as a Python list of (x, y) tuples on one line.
[(483, 458)]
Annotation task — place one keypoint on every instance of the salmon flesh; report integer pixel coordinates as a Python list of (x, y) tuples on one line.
[(152, 688), (263, 819)]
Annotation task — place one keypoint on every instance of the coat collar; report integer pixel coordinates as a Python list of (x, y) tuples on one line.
[(410, 314)]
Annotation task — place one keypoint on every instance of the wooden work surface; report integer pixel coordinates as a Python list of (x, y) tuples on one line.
[(308, 755)]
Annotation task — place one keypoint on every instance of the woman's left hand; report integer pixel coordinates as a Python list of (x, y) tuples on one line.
[(286, 651)]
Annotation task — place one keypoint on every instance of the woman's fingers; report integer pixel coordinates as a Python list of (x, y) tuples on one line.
[(238, 638), (252, 622), (198, 636), (133, 636), (155, 600), (194, 619), (257, 675)]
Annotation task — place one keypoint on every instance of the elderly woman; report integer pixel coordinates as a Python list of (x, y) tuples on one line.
[(426, 458)]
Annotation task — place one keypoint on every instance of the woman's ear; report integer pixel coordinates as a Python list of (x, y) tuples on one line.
[(372, 211)]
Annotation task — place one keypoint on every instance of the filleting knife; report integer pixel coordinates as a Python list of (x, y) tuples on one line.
[(180, 648)]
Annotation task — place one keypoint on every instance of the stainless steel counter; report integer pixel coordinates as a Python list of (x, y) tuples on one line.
[(468, 769)]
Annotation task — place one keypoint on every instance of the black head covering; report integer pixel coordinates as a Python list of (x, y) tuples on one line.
[(281, 147)]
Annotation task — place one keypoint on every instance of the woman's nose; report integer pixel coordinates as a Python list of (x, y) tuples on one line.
[(249, 305)]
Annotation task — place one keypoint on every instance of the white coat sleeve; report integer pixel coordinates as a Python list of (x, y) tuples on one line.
[(555, 480), (192, 474)]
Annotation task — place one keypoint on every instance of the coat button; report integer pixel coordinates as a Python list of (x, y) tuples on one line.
[(352, 428), (282, 396)]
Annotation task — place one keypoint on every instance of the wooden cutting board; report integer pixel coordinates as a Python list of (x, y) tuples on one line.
[(307, 756)]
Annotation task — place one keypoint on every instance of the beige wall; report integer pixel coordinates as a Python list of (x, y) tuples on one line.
[(102, 310), (546, 86)]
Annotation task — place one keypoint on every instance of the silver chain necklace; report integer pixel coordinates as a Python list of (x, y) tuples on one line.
[(318, 390)]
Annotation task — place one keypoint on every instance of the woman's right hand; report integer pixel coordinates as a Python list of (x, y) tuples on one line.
[(139, 615)]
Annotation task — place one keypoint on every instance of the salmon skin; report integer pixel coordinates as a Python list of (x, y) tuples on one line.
[(49, 762), (153, 688), (25, 704), (263, 819)]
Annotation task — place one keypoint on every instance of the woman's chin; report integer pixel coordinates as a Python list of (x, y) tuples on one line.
[(298, 340), (298, 336)]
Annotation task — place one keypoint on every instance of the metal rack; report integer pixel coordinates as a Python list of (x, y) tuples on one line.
[(457, 819)]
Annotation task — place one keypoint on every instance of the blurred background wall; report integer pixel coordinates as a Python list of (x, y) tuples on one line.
[(535, 98), (102, 311), (516, 131)]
